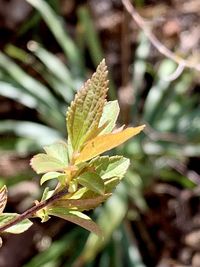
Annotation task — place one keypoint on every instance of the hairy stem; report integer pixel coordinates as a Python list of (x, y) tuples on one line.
[(30, 212)]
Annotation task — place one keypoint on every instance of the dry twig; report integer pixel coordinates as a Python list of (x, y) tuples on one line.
[(182, 63)]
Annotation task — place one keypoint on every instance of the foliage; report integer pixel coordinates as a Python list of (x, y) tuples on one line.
[(170, 109), (76, 164)]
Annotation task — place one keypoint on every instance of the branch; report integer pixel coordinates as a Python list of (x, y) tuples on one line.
[(155, 42), (30, 212)]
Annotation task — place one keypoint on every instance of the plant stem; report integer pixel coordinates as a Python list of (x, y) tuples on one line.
[(30, 212)]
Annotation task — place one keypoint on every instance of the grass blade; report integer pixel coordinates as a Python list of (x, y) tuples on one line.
[(30, 84), (38, 132), (56, 26)]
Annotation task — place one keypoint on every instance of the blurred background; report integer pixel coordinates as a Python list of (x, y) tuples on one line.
[(47, 50)]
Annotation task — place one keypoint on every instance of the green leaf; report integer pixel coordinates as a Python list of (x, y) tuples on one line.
[(110, 115), (92, 181), (31, 85), (76, 217), (47, 194), (3, 198), (111, 184), (42, 163), (14, 92), (17, 228), (42, 213), (76, 195), (39, 133), (88, 201), (50, 175), (56, 158), (56, 68), (90, 34), (58, 150), (85, 112), (108, 167), (55, 24)]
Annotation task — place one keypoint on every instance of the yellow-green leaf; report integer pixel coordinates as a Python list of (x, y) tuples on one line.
[(42, 163), (59, 151), (92, 181), (77, 218), (102, 143), (55, 159), (3, 198), (50, 175), (47, 194), (109, 167), (84, 114), (109, 116), (17, 228), (82, 204)]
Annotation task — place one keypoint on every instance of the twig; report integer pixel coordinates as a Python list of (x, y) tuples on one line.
[(155, 42), (30, 212)]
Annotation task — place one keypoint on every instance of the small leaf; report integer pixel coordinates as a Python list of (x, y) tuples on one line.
[(77, 218), (108, 167), (84, 199), (92, 181), (73, 186), (50, 175), (85, 112), (17, 228), (59, 151), (43, 215), (47, 194), (56, 158), (110, 115), (3, 198), (42, 163), (102, 143), (77, 195), (85, 203), (82, 193), (116, 168)]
